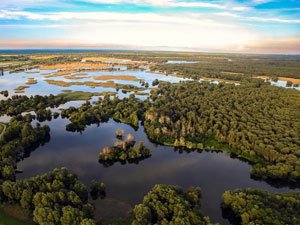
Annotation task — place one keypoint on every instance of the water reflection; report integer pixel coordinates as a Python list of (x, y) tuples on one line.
[(127, 184), (10, 81)]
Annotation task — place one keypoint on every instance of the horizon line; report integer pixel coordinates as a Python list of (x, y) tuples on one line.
[(143, 50)]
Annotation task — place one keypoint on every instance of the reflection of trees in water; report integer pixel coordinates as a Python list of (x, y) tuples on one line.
[(27, 151), (109, 163), (80, 127), (95, 195), (32, 148), (229, 215), (276, 183)]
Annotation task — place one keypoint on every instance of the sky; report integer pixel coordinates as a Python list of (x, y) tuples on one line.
[(254, 26)]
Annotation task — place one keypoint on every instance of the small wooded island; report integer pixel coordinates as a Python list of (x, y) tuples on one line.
[(123, 151)]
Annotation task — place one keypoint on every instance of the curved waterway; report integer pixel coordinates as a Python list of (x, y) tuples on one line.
[(127, 184)]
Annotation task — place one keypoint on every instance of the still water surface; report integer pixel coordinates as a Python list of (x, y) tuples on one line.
[(127, 184)]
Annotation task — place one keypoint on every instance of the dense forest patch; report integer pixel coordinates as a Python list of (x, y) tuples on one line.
[(259, 122), (18, 140), (259, 207), (56, 197), (128, 110), (255, 121), (166, 204)]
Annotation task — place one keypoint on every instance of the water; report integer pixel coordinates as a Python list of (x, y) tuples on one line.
[(282, 83), (127, 184), (10, 81)]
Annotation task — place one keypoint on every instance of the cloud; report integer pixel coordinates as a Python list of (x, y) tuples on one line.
[(286, 45), (126, 17), (176, 3), (258, 19), (278, 20), (227, 26), (162, 3), (139, 29), (259, 2), (112, 17)]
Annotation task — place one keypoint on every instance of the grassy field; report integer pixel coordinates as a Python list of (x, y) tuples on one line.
[(13, 215), (115, 77)]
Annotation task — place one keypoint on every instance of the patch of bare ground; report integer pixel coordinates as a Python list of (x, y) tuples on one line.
[(77, 66), (21, 88), (117, 77), (220, 80), (77, 76), (92, 84), (293, 80), (31, 81), (263, 77), (61, 73), (109, 84)]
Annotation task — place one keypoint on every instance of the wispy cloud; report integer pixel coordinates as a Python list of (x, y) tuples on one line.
[(149, 17), (176, 3), (162, 3), (258, 19), (287, 45), (214, 25)]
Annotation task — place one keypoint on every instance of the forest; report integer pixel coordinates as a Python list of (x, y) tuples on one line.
[(128, 110), (167, 204), (259, 207), (237, 119), (57, 197), (18, 140), (124, 151), (259, 122), (248, 118)]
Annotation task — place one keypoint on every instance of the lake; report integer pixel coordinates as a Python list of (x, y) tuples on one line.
[(10, 81), (127, 184)]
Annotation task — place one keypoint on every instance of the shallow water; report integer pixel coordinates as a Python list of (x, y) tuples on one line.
[(127, 184), (281, 83), (10, 81)]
